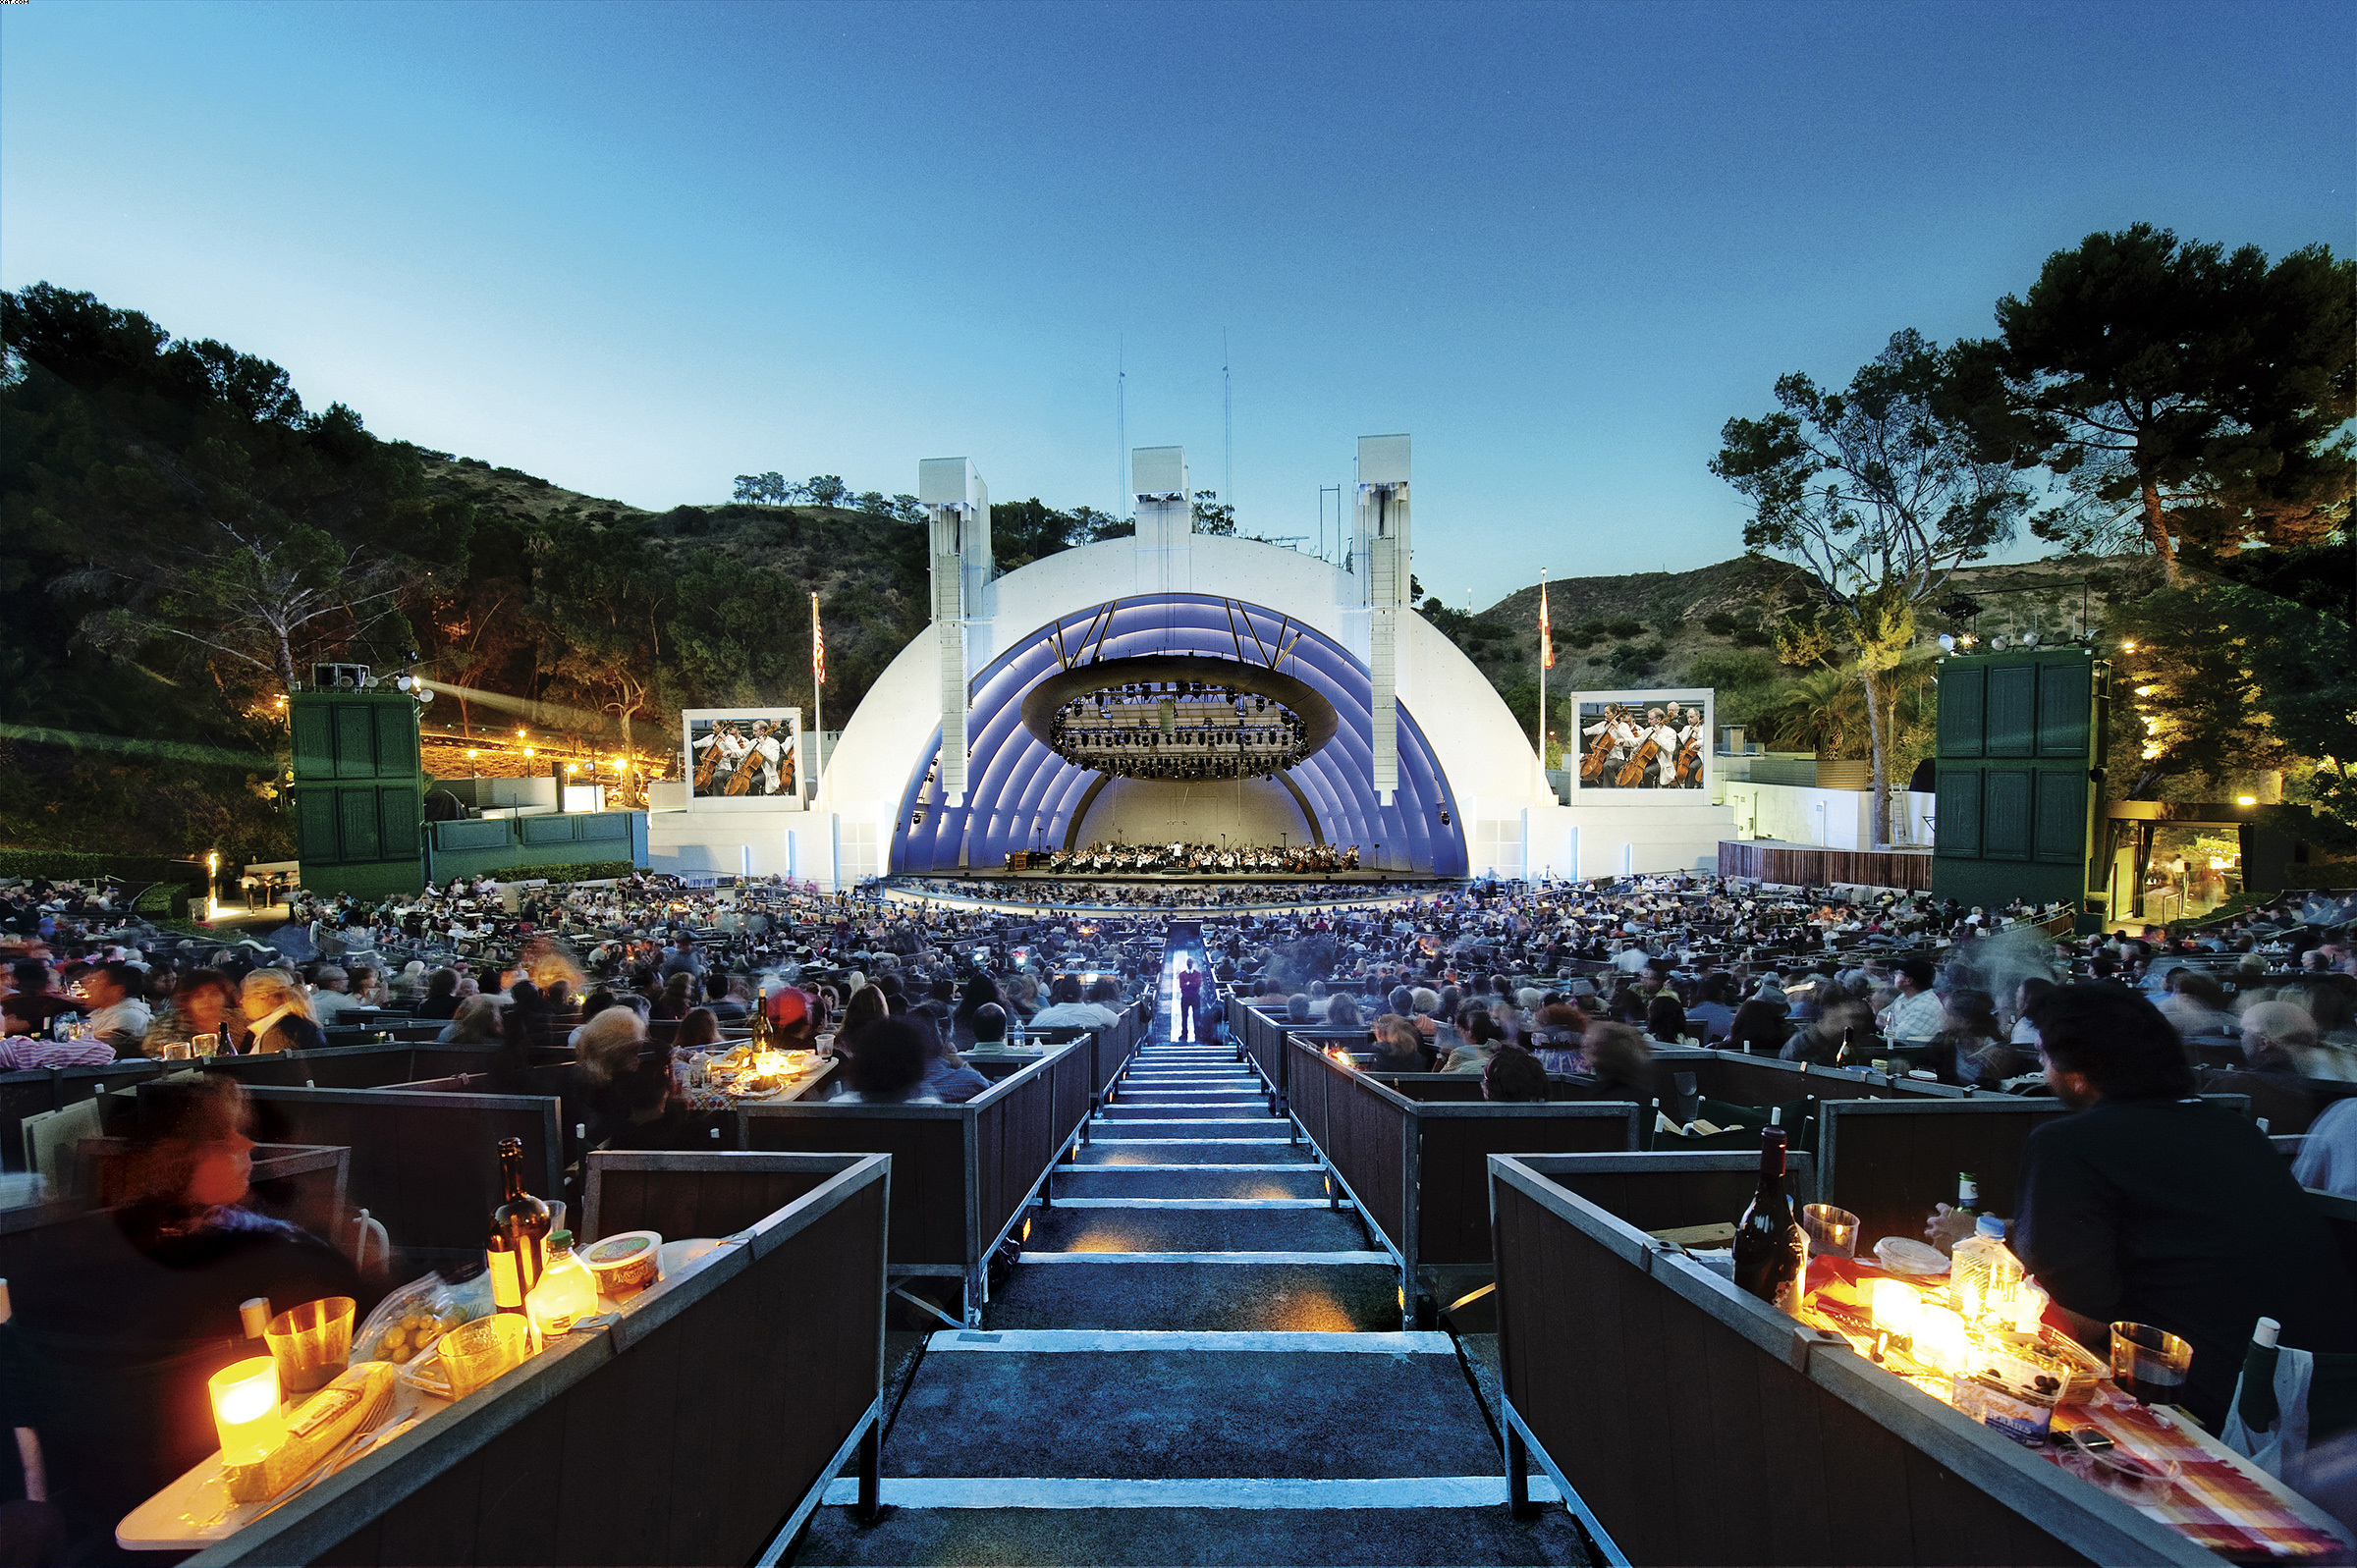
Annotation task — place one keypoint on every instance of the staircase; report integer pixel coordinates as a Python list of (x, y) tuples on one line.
[(1196, 1361)]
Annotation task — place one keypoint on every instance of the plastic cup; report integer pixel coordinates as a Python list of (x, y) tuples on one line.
[(2150, 1364), (476, 1353), (1830, 1230), (311, 1343)]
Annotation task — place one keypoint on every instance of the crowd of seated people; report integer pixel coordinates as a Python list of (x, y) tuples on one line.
[(2267, 1001)]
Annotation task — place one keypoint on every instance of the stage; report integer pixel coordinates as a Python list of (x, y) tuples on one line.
[(1205, 879)]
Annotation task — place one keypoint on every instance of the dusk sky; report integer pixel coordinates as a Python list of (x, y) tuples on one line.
[(639, 248)]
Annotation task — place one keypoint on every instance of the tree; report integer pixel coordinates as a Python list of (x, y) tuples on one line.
[(825, 490), (601, 599), (1211, 515), (252, 595), (1878, 492), (1024, 531), (2184, 396), (1094, 526), (770, 489)]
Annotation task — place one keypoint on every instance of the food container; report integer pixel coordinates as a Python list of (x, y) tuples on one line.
[(2020, 1414), (629, 1261), (1902, 1255)]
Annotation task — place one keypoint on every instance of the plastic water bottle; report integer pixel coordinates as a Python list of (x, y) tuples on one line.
[(1982, 1274)]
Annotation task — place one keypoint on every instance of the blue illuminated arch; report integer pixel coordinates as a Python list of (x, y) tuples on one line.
[(1021, 794)]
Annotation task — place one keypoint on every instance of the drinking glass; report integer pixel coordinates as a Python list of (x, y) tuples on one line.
[(476, 1353), (1831, 1230), (311, 1343), (204, 1044), (176, 1051), (2150, 1364)]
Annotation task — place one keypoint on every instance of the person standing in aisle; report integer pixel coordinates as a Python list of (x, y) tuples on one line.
[(1191, 1000)]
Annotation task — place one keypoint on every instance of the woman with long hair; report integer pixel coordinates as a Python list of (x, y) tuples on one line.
[(441, 995), (673, 1001), (867, 1008), (275, 1015), (698, 1031), (1619, 1063), (475, 1023), (980, 992)]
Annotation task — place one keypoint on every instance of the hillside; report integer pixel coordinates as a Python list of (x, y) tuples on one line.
[(724, 589), (1692, 627)]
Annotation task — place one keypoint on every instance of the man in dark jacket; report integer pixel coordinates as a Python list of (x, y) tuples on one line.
[(2152, 1206)]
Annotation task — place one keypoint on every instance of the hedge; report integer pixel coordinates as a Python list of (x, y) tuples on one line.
[(586, 870), (69, 865), (168, 900)]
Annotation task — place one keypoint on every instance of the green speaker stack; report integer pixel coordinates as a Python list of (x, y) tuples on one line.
[(2021, 748), (360, 792)]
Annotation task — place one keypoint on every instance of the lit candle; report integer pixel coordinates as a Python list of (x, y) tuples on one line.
[(245, 1409), (1939, 1338), (1895, 1306)]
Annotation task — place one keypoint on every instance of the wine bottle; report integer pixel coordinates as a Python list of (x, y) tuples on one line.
[(1849, 1041), (761, 1021), (1772, 1251), (1968, 1195), (516, 1247)]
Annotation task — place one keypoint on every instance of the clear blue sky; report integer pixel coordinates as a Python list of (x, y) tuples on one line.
[(639, 248)]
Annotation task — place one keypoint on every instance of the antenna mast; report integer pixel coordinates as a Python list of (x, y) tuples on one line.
[(1124, 504), (1228, 421)]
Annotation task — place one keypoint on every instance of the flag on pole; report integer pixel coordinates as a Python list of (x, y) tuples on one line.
[(1545, 633), (818, 646)]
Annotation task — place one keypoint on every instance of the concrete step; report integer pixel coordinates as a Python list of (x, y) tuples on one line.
[(1119, 1406), (1129, 1110), (1089, 1531), (1108, 1150), (1194, 1126), (1099, 1291), (1147, 1181), (1100, 1231)]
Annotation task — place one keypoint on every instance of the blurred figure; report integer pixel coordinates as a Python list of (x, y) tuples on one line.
[(203, 1003), (1513, 1076), (129, 1310), (1969, 1047)]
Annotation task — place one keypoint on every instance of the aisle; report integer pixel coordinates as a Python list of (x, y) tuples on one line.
[(1196, 1361)]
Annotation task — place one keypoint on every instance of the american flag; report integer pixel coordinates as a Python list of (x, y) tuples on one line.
[(818, 646), (1545, 633)]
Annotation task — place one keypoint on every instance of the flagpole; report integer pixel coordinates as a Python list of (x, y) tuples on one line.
[(818, 710), (1546, 657)]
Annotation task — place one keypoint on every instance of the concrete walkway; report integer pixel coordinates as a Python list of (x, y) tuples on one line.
[(1196, 1361)]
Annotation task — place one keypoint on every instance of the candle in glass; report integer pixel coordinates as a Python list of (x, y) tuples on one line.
[(245, 1409), (1895, 1306), (1939, 1338)]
